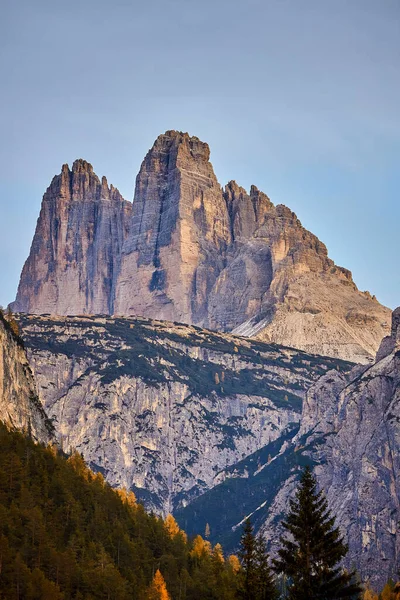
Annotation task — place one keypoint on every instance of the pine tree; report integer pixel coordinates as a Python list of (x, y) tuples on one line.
[(309, 556), (265, 580), (247, 555)]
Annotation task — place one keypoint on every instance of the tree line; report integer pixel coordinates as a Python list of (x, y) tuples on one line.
[(65, 534)]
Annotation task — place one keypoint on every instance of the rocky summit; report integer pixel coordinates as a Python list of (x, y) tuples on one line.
[(75, 253), (187, 250)]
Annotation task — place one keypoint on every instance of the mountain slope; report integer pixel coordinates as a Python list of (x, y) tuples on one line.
[(189, 251), (350, 432), (163, 408), (65, 534)]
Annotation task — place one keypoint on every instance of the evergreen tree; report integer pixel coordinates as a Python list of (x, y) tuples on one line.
[(265, 580), (309, 556), (247, 555)]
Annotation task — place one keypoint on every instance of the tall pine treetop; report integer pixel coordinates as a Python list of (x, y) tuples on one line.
[(311, 551)]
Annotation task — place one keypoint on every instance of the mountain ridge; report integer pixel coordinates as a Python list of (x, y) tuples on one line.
[(159, 407), (188, 250)]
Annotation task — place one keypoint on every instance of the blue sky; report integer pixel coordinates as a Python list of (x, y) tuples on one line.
[(299, 97)]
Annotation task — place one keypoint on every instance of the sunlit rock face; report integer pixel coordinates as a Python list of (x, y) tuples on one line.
[(187, 250), (76, 249), (179, 233), (20, 407), (163, 408)]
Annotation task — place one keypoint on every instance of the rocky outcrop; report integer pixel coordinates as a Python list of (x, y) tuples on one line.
[(75, 253), (20, 407), (359, 464), (233, 261), (390, 343), (163, 408), (194, 253), (179, 234), (350, 433)]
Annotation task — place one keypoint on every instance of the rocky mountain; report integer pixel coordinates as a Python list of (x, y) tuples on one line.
[(349, 431), (179, 234), (189, 251), (214, 427), (76, 249), (20, 407), (162, 408), (357, 416)]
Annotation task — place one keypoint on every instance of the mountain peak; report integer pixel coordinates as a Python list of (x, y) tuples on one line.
[(80, 165), (77, 245), (195, 253), (181, 145)]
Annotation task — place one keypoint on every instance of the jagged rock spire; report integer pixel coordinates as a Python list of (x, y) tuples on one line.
[(75, 253), (180, 230), (189, 251)]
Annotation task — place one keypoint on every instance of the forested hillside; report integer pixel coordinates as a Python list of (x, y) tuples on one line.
[(66, 534)]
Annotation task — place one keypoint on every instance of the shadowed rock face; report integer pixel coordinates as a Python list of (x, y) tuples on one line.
[(191, 252), (349, 433), (350, 430), (76, 249), (20, 407)]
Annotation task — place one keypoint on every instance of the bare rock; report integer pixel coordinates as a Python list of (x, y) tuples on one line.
[(391, 342), (163, 408), (75, 253), (191, 252), (179, 233), (20, 407)]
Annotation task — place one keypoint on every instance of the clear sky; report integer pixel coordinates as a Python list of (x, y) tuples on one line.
[(299, 97)]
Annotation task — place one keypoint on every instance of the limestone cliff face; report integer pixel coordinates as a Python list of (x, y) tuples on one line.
[(75, 253), (350, 433), (194, 253), (234, 261), (179, 233), (287, 288), (20, 407), (164, 408), (350, 430)]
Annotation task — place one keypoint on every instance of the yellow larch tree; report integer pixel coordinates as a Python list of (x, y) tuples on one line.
[(127, 497), (158, 589), (234, 563), (370, 595), (200, 547), (171, 525)]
